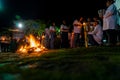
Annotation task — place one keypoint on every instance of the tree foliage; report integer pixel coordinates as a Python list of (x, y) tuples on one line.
[(34, 27)]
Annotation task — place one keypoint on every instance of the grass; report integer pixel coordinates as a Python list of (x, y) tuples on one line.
[(92, 63)]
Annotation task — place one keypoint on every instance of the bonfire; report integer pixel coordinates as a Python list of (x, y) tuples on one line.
[(31, 45)]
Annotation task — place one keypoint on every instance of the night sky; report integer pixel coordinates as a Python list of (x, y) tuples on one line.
[(48, 9)]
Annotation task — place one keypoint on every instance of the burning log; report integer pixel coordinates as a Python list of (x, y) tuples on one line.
[(32, 45)]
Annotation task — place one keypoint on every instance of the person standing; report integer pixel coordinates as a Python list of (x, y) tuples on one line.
[(52, 30), (64, 29), (110, 22), (77, 28)]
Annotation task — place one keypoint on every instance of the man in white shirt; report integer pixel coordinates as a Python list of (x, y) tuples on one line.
[(95, 37), (64, 29), (77, 27)]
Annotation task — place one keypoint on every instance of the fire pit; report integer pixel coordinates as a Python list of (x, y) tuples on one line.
[(31, 44)]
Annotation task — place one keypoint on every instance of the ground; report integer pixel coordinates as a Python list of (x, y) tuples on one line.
[(92, 63)]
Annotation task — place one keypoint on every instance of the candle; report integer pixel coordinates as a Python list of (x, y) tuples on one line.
[(85, 34)]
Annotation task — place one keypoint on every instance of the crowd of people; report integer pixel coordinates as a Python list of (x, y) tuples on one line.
[(99, 30)]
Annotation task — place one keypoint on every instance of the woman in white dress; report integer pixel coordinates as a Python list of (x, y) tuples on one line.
[(110, 22)]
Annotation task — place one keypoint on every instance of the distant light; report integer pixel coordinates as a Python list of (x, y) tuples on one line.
[(20, 25), (1, 6)]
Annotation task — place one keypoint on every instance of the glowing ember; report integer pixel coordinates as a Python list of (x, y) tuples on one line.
[(32, 45)]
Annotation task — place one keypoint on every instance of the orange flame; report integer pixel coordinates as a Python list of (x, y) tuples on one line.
[(32, 45)]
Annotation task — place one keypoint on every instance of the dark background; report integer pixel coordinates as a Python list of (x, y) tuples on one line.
[(48, 9)]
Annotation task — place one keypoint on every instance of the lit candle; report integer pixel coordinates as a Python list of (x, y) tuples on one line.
[(84, 24), (85, 34)]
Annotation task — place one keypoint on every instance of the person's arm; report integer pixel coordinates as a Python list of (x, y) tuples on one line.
[(75, 23), (110, 12), (94, 31), (62, 29), (108, 15)]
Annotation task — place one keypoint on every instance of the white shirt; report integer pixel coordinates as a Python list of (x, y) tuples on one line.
[(63, 27), (47, 31), (77, 26), (109, 21), (52, 28), (97, 33)]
